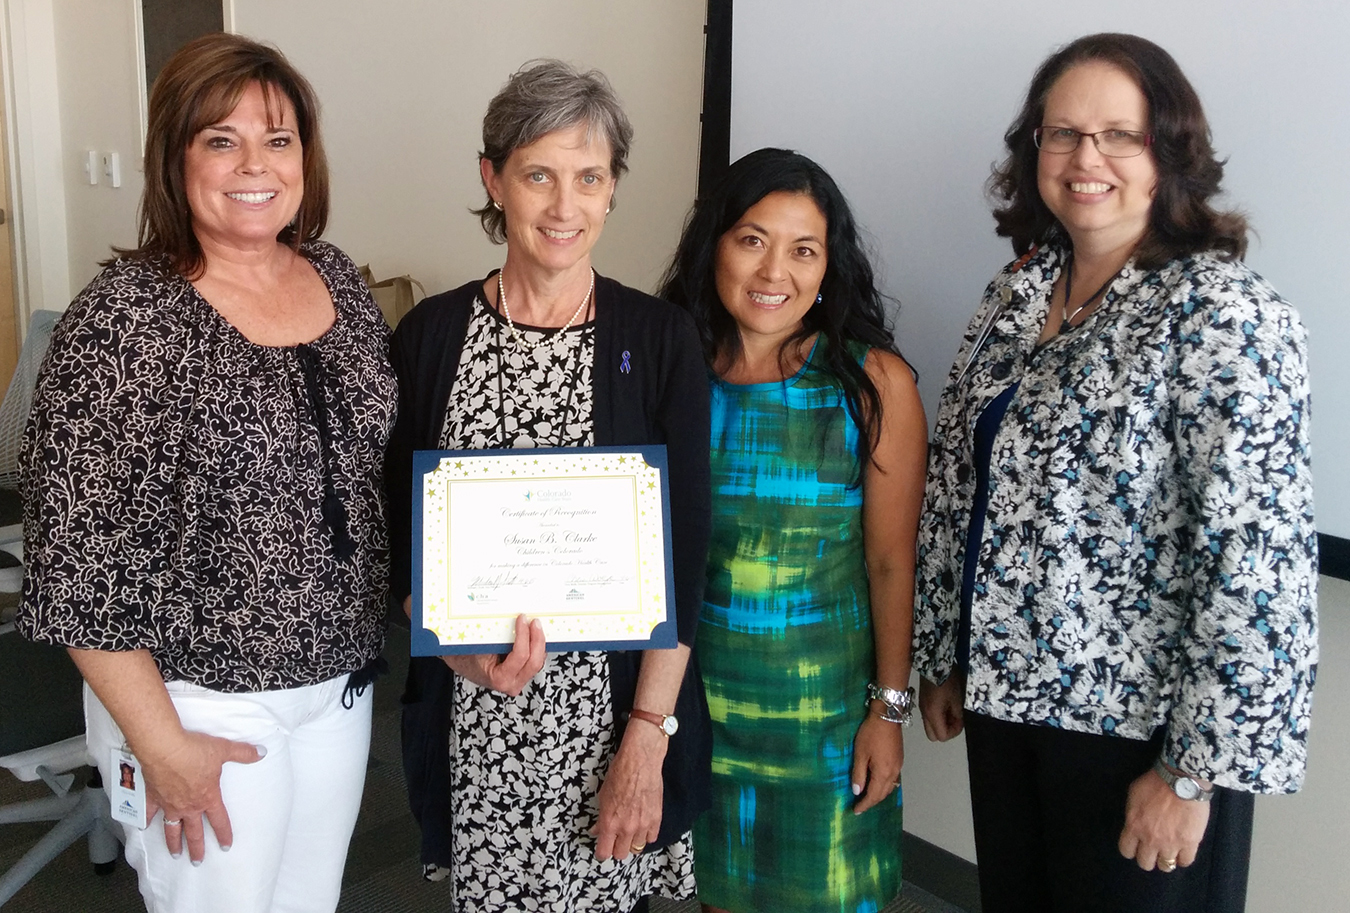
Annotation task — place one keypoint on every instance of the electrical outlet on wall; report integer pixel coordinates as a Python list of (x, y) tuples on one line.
[(112, 167)]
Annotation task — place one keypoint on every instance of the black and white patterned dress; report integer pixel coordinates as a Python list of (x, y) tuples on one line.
[(526, 770)]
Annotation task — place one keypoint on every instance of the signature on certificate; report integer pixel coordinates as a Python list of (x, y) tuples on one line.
[(496, 581)]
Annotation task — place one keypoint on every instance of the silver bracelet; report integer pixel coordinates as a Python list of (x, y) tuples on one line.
[(899, 704)]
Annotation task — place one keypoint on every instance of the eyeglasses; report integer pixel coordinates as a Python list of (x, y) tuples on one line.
[(1120, 144)]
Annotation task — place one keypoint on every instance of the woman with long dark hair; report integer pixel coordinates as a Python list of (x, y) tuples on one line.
[(1117, 559), (818, 442)]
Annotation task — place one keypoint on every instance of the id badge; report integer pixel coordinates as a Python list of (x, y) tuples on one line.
[(128, 789)]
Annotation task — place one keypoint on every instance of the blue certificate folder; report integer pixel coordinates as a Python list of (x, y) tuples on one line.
[(426, 642)]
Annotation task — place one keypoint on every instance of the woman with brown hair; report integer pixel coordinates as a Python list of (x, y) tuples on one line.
[(202, 497), (1117, 558)]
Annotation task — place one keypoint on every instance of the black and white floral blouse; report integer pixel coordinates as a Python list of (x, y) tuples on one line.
[(175, 477), (1148, 557)]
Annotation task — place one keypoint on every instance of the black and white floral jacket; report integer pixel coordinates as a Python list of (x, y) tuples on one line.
[(1149, 557)]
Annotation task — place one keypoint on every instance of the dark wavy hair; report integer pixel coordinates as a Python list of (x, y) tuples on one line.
[(199, 86), (851, 308), (1181, 221)]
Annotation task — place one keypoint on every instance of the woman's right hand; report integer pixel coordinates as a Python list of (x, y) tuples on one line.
[(510, 673), (184, 782), (182, 768), (943, 707)]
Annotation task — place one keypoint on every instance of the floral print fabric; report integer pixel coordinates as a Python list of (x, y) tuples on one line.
[(506, 396), (1149, 555), (174, 478), (526, 771)]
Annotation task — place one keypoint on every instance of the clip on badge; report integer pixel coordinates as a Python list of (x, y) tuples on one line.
[(128, 789)]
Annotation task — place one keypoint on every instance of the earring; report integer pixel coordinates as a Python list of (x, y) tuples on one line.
[(819, 297), (497, 205)]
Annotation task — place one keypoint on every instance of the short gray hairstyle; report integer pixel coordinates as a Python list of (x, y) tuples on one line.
[(541, 97)]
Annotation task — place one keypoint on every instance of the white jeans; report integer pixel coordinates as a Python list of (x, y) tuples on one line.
[(292, 812)]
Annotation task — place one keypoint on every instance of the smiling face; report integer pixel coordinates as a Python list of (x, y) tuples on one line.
[(555, 193), (770, 265), (1101, 201), (244, 175)]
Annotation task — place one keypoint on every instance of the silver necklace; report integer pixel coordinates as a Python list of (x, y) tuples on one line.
[(1066, 325), (515, 334)]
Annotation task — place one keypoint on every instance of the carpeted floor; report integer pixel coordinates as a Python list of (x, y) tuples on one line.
[(382, 876)]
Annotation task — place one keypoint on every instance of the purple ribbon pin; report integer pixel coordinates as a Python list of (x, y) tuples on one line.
[(626, 367)]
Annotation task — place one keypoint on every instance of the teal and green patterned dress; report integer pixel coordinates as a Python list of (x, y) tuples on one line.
[(786, 650)]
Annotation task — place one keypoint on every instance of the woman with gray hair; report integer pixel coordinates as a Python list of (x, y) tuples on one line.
[(572, 779)]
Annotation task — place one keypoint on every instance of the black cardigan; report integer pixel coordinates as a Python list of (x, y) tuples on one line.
[(662, 398)]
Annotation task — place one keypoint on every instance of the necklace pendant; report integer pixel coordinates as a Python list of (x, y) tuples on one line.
[(1067, 318)]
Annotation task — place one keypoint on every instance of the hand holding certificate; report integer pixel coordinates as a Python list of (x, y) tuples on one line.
[(577, 538)]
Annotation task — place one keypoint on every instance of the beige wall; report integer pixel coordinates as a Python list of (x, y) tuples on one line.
[(98, 72), (72, 79), (404, 86), (33, 141)]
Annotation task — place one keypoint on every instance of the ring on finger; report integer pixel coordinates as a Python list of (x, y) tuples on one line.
[(637, 847), (1168, 865), (176, 822)]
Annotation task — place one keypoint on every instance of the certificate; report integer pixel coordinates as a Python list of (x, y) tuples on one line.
[(576, 537)]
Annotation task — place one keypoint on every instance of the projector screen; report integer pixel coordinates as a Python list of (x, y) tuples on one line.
[(906, 105)]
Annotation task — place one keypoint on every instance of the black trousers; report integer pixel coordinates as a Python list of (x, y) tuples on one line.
[(1049, 806)]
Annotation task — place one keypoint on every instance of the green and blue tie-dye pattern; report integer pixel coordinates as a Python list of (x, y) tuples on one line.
[(786, 651)]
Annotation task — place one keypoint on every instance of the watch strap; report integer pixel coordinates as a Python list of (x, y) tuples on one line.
[(1171, 779), (898, 706), (665, 722)]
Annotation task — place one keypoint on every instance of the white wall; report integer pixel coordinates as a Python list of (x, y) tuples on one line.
[(906, 104), (1298, 856), (404, 86)]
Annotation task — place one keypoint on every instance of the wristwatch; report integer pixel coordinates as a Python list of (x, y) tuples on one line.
[(899, 704), (1185, 787), (665, 722)]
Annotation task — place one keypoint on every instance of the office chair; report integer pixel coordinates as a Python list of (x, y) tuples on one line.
[(42, 738), (41, 693), (13, 417)]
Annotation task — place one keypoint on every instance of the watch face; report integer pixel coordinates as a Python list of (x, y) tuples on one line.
[(1186, 788), (670, 725)]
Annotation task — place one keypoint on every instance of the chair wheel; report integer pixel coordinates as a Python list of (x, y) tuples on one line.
[(103, 869)]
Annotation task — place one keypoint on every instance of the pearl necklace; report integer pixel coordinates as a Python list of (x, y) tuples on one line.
[(515, 334)]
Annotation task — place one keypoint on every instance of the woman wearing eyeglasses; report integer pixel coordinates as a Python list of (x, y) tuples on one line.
[(1117, 556)]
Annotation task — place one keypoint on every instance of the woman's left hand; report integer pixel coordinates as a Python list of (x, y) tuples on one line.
[(1160, 827), (630, 798), (878, 755)]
